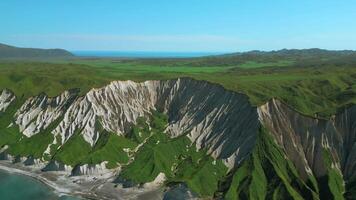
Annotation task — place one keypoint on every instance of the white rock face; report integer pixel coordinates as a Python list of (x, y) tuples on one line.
[(89, 169), (6, 97), (214, 118), (222, 121), (37, 113), (116, 107)]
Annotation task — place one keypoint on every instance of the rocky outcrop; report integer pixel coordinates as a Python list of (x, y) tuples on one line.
[(37, 113), (57, 166), (34, 162), (6, 97), (90, 169), (4, 155)]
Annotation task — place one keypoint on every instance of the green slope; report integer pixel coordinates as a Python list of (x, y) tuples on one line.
[(9, 135), (267, 174)]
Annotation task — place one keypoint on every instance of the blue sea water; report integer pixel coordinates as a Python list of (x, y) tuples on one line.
[(143, 54), (19, 187)]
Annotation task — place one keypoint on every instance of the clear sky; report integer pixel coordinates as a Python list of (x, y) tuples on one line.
[(179, 25)]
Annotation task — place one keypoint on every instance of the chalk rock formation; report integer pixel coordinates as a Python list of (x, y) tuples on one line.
[(90, 169), (37, 113), (6, 97)]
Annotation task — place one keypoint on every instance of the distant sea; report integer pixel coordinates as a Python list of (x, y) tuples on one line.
[(19, 187), (144, 54)]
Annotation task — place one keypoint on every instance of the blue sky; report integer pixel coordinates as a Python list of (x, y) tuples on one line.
[(184, 25)]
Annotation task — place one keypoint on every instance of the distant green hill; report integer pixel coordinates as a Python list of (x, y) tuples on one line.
[(256, 59), (7, 51)]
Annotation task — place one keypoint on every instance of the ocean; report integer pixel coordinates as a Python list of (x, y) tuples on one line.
[(143, 54), (19, 187)]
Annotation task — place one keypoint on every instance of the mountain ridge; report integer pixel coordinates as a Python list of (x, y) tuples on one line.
[(12, 52)]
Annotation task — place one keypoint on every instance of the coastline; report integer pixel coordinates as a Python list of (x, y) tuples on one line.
[(85, 186)]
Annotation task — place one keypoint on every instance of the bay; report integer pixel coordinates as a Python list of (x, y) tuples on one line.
[(20, 187)]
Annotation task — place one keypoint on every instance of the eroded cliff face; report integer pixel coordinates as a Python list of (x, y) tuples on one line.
[(345, 123), (224, 122), (221, 121), (311, 143), (37, 113)]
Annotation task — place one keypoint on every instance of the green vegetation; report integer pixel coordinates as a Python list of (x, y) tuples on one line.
[(177, 158), (268, 175), (7, 52), (74, 151), (33, 146), (335, 183), (111, 149), (253, 64), (9, 135)]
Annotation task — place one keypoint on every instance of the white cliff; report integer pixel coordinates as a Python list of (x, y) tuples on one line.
[(6, 98), (116, 107), (91, 169)]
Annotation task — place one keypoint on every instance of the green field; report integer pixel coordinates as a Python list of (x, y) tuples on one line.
[(309, 88)]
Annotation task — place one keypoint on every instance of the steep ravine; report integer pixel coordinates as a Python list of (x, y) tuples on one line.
[(309, 157)]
